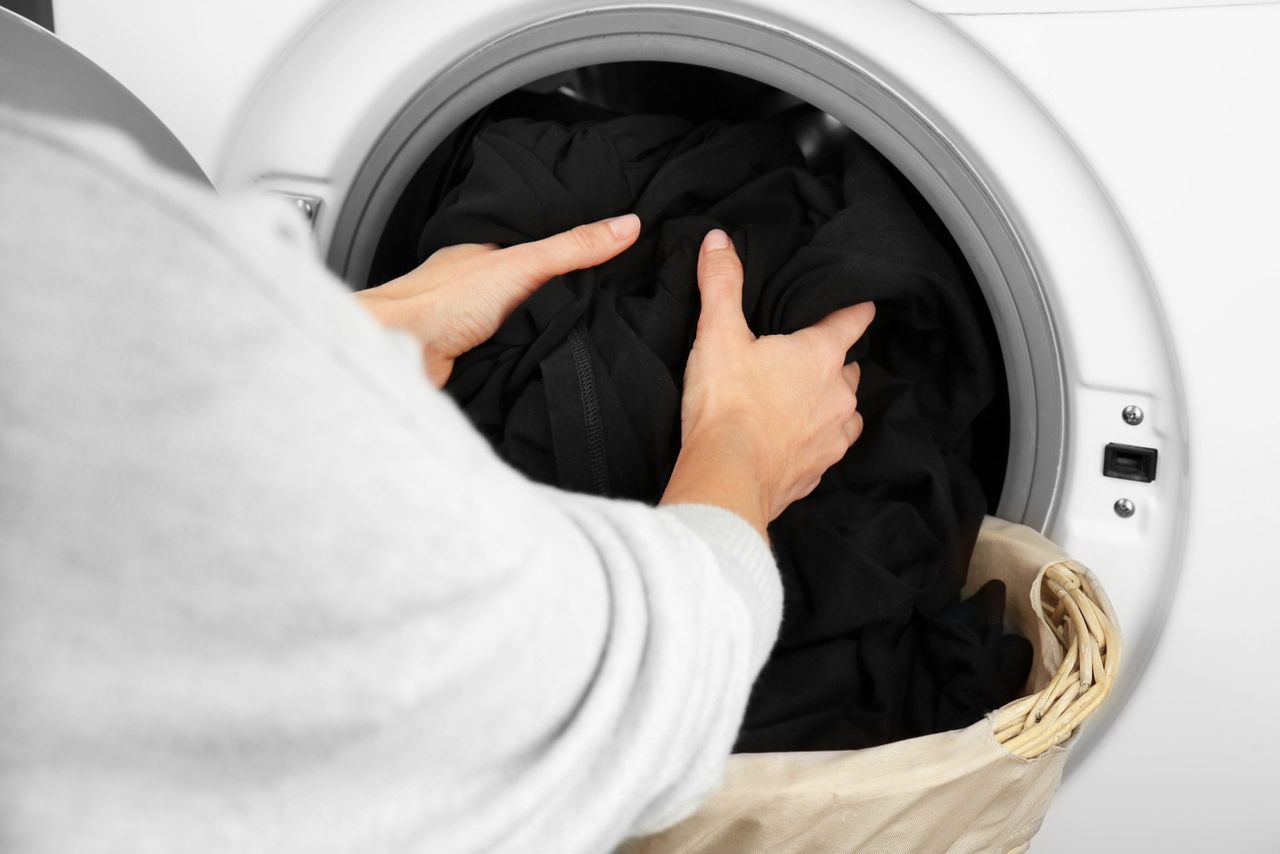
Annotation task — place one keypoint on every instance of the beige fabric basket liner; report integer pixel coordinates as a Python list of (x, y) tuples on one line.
[(959, 791)]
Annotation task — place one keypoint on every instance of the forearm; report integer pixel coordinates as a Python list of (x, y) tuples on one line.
[(714, 468)]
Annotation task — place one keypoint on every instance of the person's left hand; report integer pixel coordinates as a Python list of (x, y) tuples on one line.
[(457, 298)]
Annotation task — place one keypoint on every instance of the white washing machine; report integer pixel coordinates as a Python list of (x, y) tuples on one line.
[(1110, 170)]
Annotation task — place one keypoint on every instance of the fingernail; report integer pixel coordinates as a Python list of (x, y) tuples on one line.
[(716, 239), (623, 226)]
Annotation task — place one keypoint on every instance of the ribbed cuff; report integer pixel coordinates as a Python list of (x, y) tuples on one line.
[(749, 566)]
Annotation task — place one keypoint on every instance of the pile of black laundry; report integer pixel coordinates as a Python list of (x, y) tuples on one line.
[(581, 387)]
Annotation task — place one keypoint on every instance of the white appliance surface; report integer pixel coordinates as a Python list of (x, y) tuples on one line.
[(193, 64), (1176, 112), (1173, 106)]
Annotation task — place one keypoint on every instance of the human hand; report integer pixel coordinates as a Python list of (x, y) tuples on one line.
[(761, 418), (457, 298)]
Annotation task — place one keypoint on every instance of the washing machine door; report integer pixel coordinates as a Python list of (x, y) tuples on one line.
[(42, 74)]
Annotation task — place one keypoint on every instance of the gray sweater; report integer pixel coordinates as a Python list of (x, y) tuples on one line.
[(263, 589)]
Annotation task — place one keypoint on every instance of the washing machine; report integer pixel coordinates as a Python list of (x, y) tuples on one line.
[(1109, 170)]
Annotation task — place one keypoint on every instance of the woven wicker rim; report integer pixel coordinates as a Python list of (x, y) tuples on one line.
[(1091, 651)]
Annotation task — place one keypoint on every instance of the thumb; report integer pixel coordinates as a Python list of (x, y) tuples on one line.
[(844, 327), (530, 265), (720, 284)]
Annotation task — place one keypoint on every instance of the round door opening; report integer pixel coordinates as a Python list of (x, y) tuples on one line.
[(697, 94), (773, 68)]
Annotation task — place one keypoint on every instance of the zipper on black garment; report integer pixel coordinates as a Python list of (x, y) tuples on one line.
[(596, 455)]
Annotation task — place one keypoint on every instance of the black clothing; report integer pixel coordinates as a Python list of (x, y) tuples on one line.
[(581, 388)]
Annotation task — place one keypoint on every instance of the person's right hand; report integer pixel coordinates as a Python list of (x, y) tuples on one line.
[(761, 418)]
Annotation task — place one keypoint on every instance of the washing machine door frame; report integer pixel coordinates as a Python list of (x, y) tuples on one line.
[(1079, 320), (355, 87)]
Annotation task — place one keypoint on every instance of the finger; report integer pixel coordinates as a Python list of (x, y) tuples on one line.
[(844, 327), (852, 375), (853, 428), (720, 284), (533, 264)]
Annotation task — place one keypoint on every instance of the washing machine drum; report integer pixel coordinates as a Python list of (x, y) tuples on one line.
[(582, 386)]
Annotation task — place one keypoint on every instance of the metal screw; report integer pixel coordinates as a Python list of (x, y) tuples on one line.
[(1132, 415), (1125, 508), (309, 205)]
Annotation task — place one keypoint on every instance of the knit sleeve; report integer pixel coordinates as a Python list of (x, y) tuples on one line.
[(694, 603), (262, 589)]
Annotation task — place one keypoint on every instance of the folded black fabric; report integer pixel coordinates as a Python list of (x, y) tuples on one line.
[(581, 388)]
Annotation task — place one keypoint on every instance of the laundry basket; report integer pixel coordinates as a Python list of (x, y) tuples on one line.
[(985, 788)]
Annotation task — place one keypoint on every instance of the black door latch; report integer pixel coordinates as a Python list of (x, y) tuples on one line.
[(1130, 462)]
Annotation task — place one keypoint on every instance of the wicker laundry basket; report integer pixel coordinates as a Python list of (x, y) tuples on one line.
[(985, 788)]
